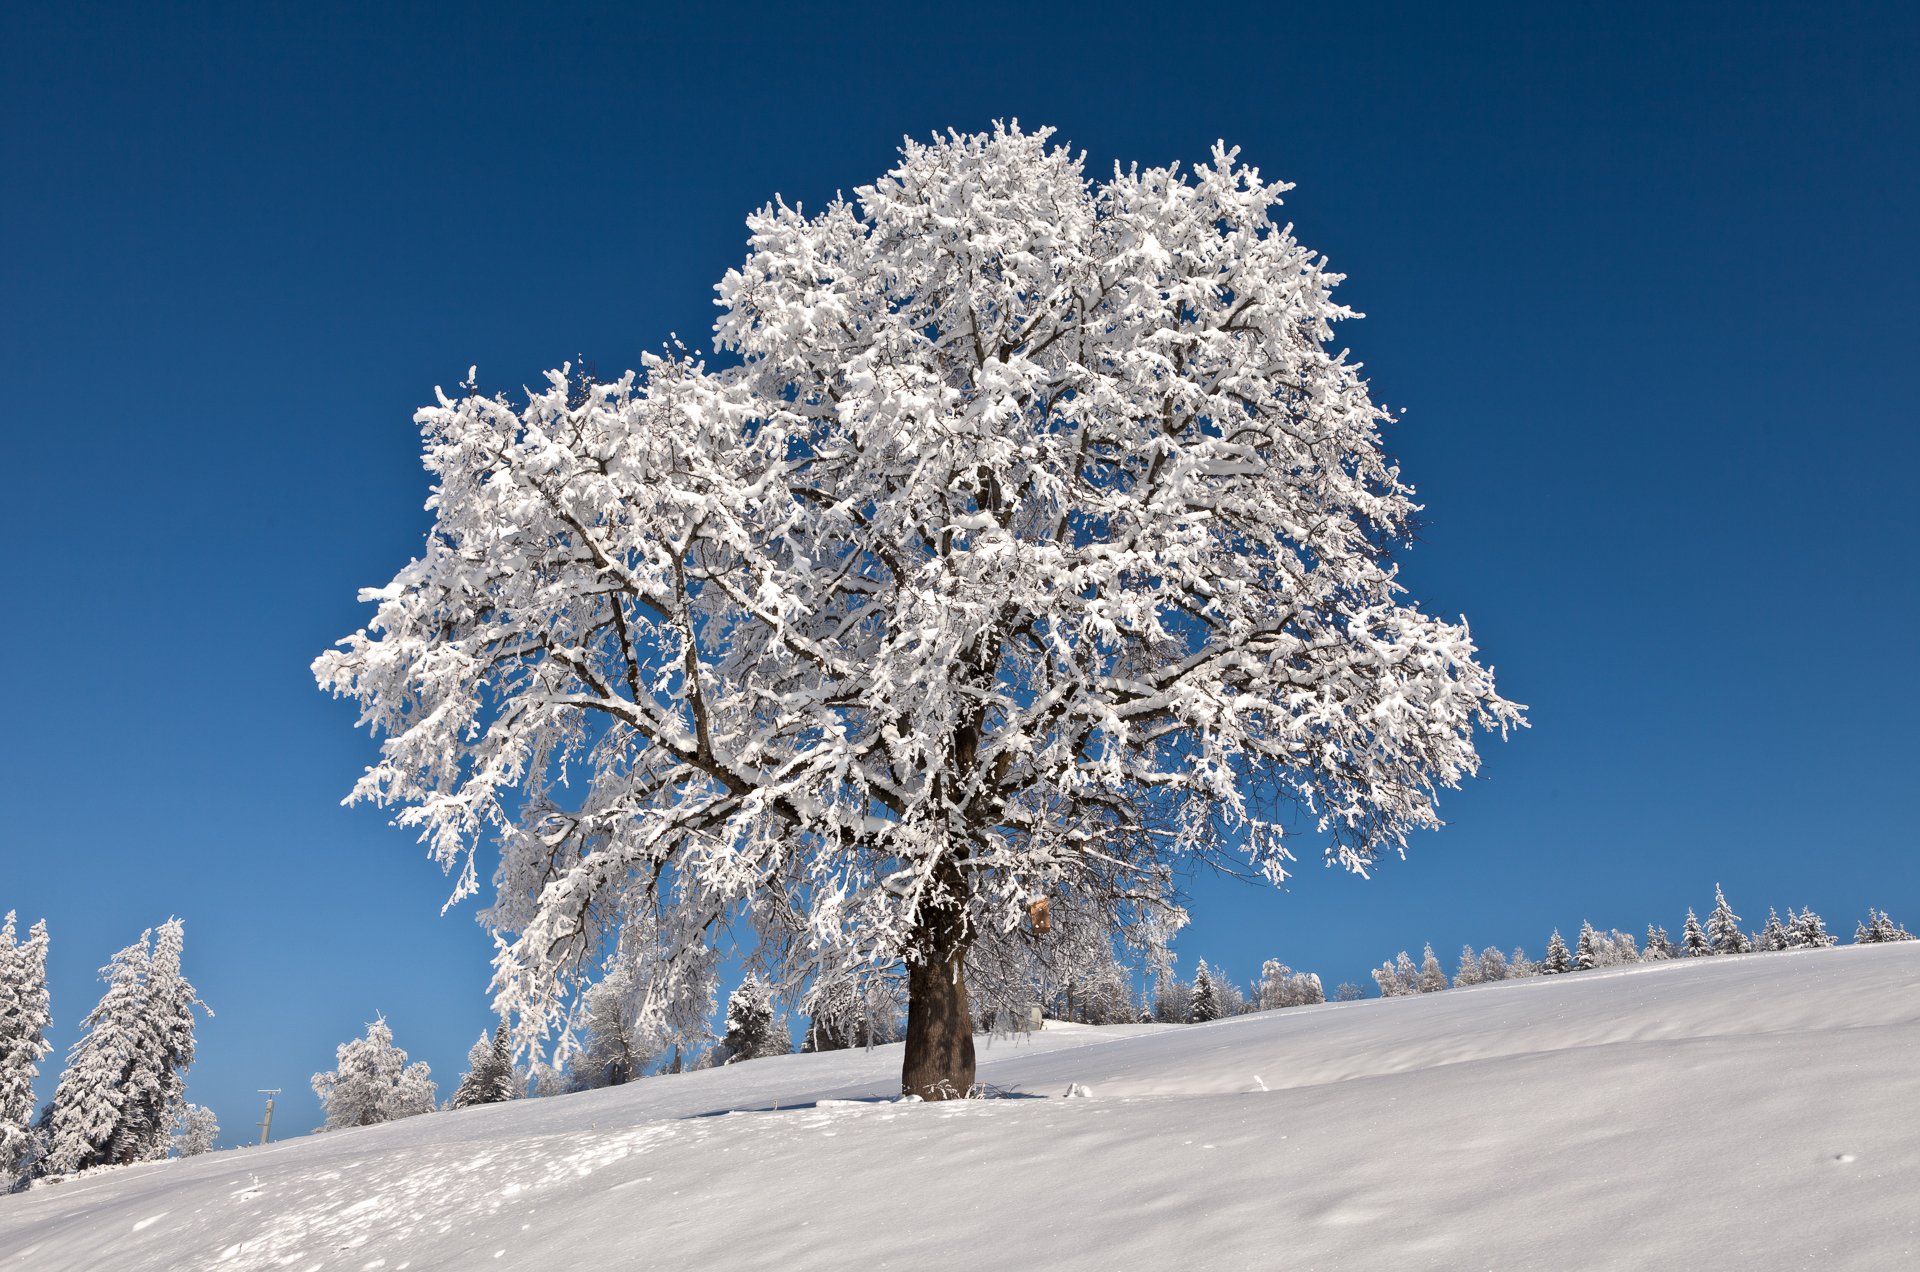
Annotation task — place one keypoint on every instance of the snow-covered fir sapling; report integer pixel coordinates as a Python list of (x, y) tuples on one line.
[(1693, 940), (1037, 530), (490, 1078), (1557, 959), (1432, 978), (1723, 927)]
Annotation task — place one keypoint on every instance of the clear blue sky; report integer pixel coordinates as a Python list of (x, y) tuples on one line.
[(1643, 280)]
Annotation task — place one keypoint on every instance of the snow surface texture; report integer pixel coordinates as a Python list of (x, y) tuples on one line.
[(1732, 1112)]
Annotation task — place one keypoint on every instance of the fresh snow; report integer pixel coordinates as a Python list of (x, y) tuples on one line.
[(1739, 1111)]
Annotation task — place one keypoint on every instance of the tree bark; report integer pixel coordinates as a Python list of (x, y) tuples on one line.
[(939, 1061)]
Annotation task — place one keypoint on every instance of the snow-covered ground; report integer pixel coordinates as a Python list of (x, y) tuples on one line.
[(1728, 1112)]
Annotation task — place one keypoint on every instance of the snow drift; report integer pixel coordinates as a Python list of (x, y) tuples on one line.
[(1722, 1111)]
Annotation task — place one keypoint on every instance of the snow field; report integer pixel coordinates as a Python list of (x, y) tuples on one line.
[(1724, 1111)]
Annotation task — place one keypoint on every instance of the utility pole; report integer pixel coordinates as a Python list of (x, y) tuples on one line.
[(266, 1123)]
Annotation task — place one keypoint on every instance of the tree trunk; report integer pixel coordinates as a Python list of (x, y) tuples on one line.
[(939, 1059)]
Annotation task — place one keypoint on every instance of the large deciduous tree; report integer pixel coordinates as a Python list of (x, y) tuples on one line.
[(1034, 536)]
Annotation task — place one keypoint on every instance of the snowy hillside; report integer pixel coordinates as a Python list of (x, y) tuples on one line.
[(1726, 1112)]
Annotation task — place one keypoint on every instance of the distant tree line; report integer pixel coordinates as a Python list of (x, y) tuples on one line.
[(1721, 934)]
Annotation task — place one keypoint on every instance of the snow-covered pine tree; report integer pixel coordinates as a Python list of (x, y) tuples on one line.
[(1406, 973), (1723, 927), (1389, 983), (372, 1082), (156, 1096), (1519, 966), (1468, 973), (751, 1029), (1432, 979), (1493, 964), (1809, 930), (87, 1125), (1773, 936), (1879, 928), (1693, 940), (490, 1078), (1206, 999), (1557, 960), (195, 1131), (1585, 951), (1659, 945), (1348, 992), (1036, 526), (25, 1014)]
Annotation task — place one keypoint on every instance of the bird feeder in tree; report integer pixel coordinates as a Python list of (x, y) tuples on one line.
[(1038, 916)]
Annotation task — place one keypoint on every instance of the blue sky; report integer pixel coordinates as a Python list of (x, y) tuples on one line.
[(1643, 281)]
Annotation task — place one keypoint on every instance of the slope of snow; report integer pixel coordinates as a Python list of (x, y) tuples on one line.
[(1732, 1110)]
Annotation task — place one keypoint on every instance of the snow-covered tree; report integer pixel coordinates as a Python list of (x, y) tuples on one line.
[(1586, 954), (195, 1130), (1693, 940), (1073, 968), (1879, 928), (490, 1078), (25, 1013), (616, 1047), (1348, 992), (1206, 1000), (752, 1031), (1519, 966), (1659, 945), (372, 1082), (125, 1079), (1398, 977), (1773, 936), (1493, 964), (1432, 978), (1280, 986), (843, 1013), (1557, 959), (1808, 930), (1039, 531), (1468, 972), (1723, 927), (1172, 1000)]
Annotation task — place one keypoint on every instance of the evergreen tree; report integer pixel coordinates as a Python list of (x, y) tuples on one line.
[(195, 1131), (1519, 966), (490, 1078), (1406, 974), (1723, 927), (1557, 960), (1389, 983), (373, 1083), (1586, 953), (1693, 940), (158, 1092), (1809, 930), (87, 1123), (1659, 945), (616, 1049), (1348, 992), (1879, 928), (24, 1017), (1468, 973), (1493, 964), (751, 1032), (1206, 997), (1773, 937), (1432, 979)]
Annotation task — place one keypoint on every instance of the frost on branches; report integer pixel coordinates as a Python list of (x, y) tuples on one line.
[(125, 1080), (373, 1082), (24, 1017), (1039, 538)]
